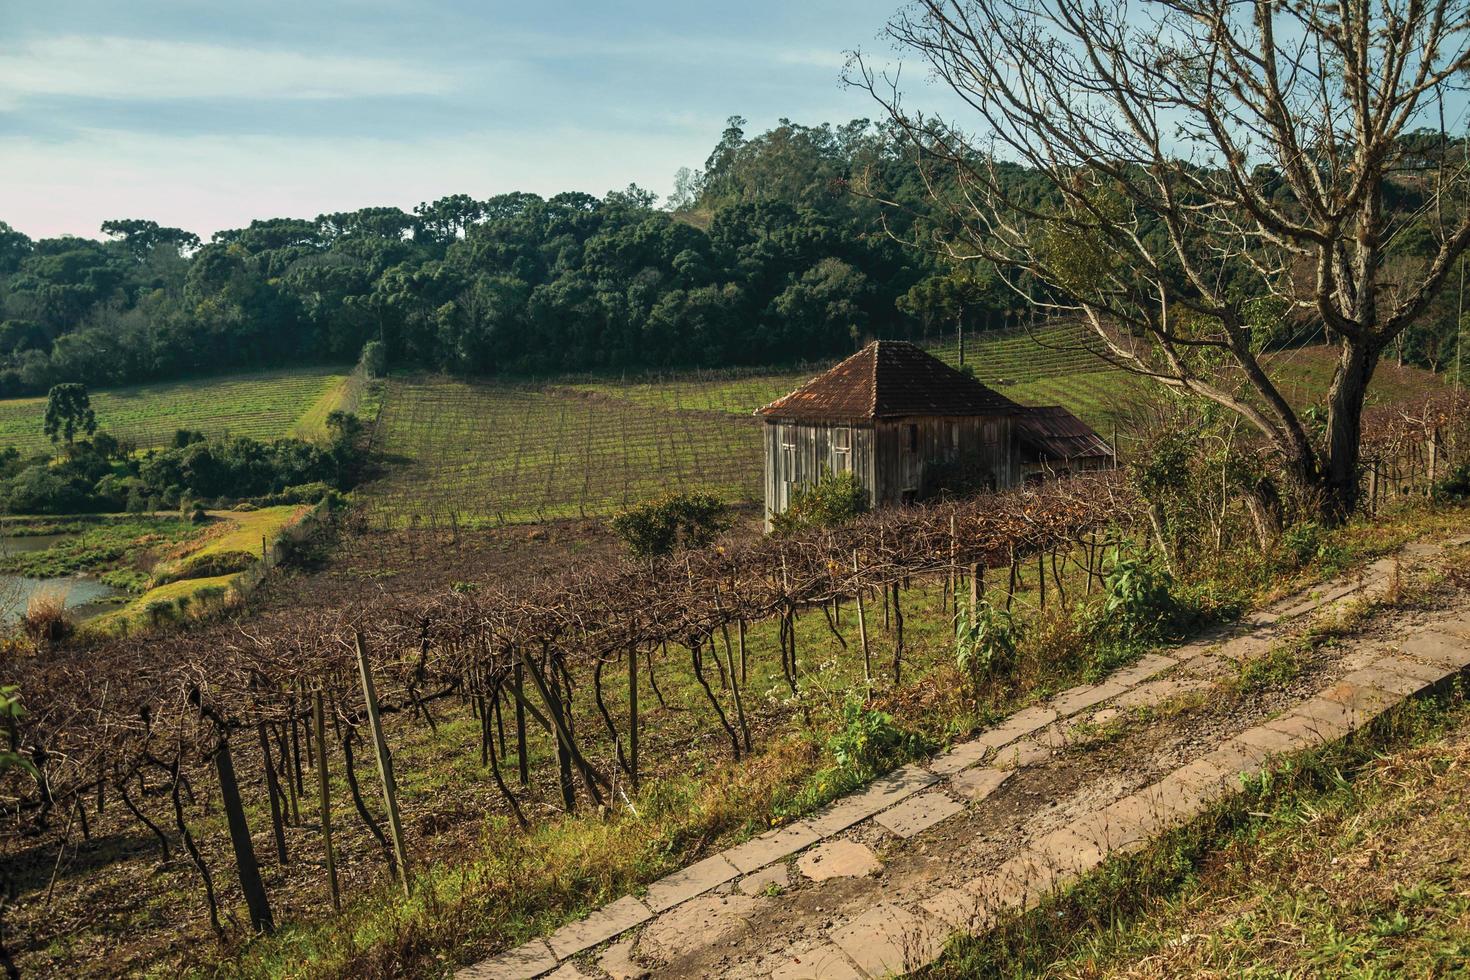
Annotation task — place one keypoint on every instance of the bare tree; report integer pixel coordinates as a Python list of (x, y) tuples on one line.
[(1212, 171)]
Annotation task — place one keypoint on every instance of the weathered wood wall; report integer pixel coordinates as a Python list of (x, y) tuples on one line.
[(888, 457)]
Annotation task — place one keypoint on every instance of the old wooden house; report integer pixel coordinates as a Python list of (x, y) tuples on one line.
[(896, 417)]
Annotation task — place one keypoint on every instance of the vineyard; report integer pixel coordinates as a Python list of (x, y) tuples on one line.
[(265, 405), (464, 453), (234, 757), (475, 453)]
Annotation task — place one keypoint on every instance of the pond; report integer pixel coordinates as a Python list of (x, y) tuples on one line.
[(83, 596)]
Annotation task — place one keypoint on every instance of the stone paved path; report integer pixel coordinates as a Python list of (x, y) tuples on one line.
[(876, 882)]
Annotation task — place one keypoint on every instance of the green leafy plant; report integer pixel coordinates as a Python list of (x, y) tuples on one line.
[(1139, 605), (986, 641), (869, 740), (11, 712), (689, 520), (832, 500)]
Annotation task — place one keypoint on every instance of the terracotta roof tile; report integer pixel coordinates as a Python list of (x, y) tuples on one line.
[(889, 379)]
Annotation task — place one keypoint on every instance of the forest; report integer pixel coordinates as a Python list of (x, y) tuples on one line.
[(788, 245)]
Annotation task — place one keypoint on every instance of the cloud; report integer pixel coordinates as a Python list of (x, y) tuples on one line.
[(123, 68)]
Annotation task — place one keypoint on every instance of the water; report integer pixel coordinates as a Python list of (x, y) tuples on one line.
[(84, 596)]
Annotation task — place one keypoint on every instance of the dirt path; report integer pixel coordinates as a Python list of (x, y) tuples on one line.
[(877, 881)]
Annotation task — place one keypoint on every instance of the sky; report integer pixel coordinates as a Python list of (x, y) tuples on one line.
[(203, 115)]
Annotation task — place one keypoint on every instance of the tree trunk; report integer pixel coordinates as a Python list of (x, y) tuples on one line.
[(1345, 431)]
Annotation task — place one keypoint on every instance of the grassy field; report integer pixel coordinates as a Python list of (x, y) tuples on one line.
[(264, 405), (489, 452)]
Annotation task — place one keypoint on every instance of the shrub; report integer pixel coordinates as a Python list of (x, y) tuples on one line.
[(45, 620), (1455, 486), (1139, 605), (869, 741), (986, 641), (832, 500), (689, 520)]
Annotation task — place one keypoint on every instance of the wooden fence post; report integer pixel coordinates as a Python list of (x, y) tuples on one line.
[(249, 869), (385, 762), (319, 723)]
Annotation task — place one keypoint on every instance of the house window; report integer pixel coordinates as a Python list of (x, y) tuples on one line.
[(954, 438), (788, 449), (841, 450), (911, 438)]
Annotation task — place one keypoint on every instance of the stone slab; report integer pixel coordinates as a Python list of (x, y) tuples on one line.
[(1208, 665), (1327, 719), (1022, 723), (963, 909), (826, 962), (771, 846), (1019, 755), (1444, 649), (522, 963), (839, 859), (1428, 673), (1387, 681), (962, 756), (602, 925), (976, 784), (1183, 799), (1075, 699), (1147, 666), (919, 813), (1064, 851), (568, 971), (1367, 701), (1458, 626), (700, 923), (772, 876), (1019, 882), (619, 962), (698, 878), (1154, 693), (1152, 810), (1272, 742), (889, 940), (1110, 831), (882, 793)]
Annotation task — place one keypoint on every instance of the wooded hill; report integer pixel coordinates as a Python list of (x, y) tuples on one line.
[(777, 251)]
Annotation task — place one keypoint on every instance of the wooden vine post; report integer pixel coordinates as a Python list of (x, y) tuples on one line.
[(385, 762), (248, 868), (319, 724), (633, 713), (273, 788), (862, 623)]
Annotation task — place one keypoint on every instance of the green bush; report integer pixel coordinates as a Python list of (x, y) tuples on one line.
[(1139, 604), (831, 501), (986, 641), (870, 742), (1455, 486), (689, 520)]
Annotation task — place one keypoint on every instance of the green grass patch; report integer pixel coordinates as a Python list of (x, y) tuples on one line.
[(264, 405)]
